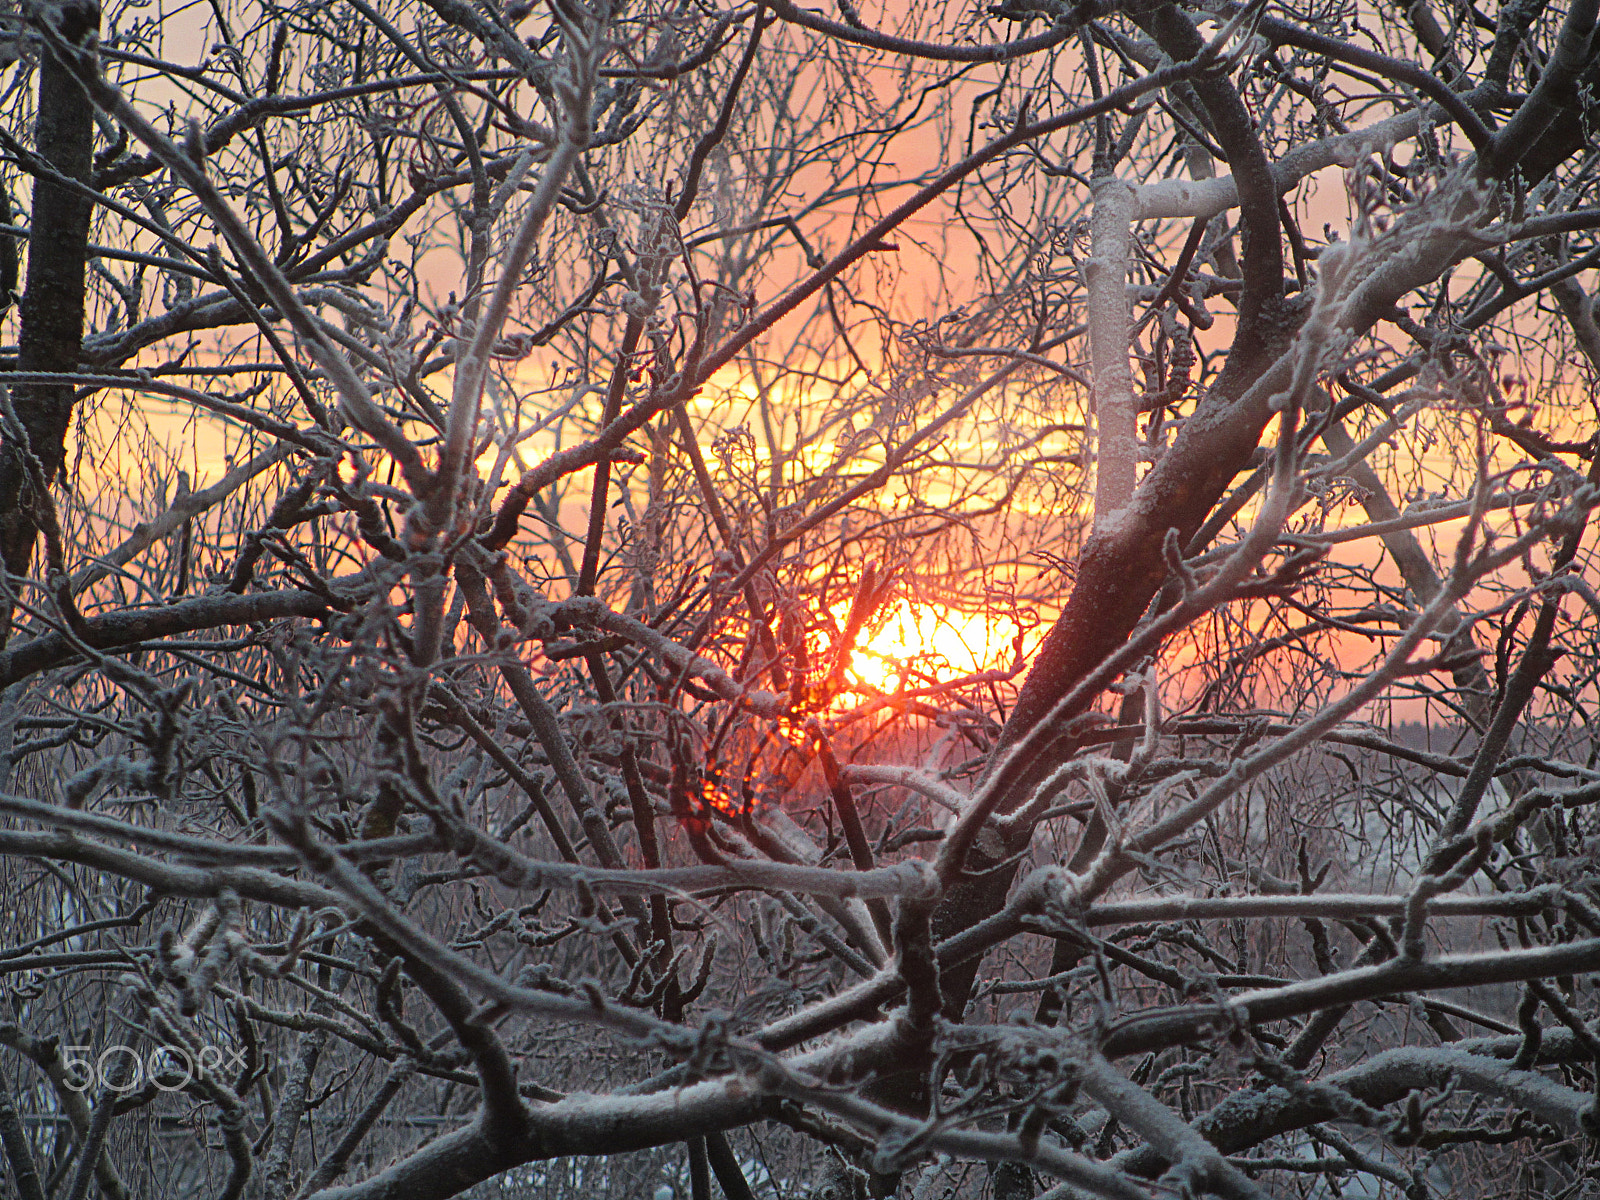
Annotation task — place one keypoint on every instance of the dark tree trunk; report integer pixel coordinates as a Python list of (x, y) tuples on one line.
[(53, 296), (1014, 1181)]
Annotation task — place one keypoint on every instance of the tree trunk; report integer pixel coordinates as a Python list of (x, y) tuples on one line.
[(53, 297)]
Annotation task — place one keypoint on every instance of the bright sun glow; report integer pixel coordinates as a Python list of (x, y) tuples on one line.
[(912, 645)]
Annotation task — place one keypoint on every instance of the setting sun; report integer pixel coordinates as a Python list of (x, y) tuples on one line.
[(909, 644)]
